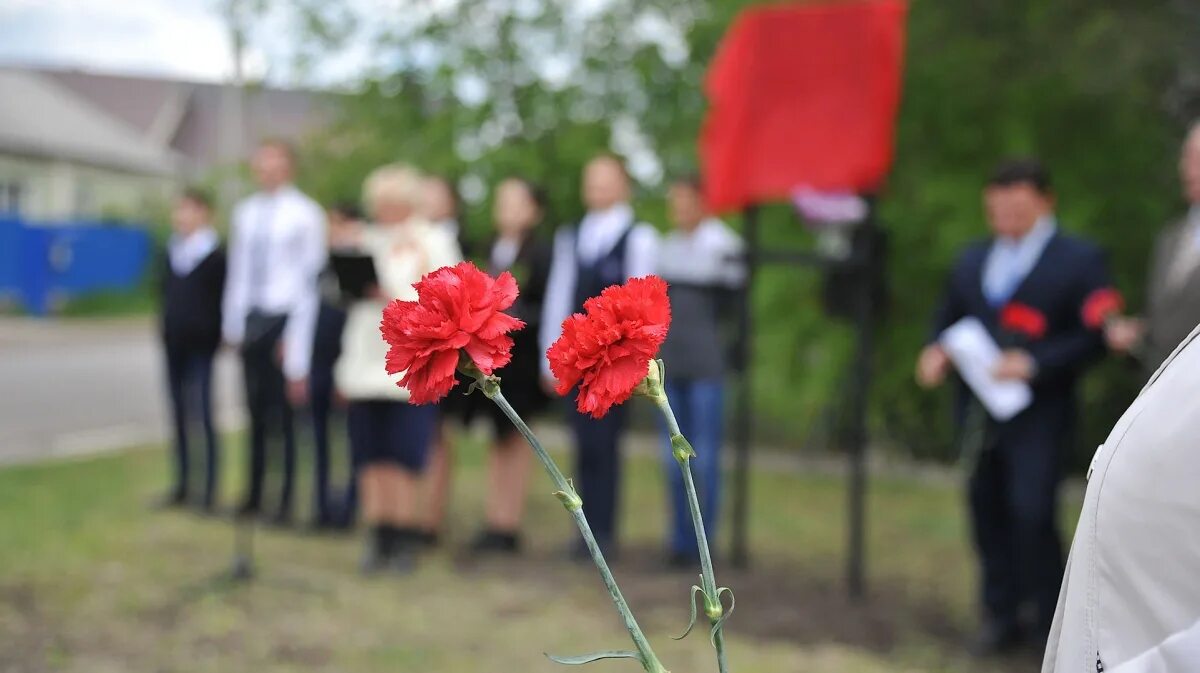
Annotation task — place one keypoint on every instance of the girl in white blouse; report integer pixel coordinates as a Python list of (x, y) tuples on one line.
[(389, 438)]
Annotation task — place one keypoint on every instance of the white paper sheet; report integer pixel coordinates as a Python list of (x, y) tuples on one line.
[(974, 353)]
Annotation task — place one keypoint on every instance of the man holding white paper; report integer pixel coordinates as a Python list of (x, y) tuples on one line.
[(1011, 325)]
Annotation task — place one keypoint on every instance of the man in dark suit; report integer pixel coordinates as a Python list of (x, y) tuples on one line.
[(1027, 285), (1173, 286)]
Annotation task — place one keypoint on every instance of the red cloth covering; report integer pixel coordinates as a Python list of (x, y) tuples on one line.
[(803, 94)]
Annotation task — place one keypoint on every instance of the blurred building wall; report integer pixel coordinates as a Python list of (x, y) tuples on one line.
[(83, 144), (48, 189)]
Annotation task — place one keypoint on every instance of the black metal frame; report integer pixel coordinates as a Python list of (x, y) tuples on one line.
[(863, 315)]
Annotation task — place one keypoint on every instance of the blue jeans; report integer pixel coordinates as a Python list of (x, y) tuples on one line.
[(698, 407)]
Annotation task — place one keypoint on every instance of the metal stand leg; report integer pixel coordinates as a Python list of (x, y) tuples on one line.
[(739, 550), (242, 567)]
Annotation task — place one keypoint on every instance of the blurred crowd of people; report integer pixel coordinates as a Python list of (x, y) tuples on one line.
[(306, 343), (1042, 294)]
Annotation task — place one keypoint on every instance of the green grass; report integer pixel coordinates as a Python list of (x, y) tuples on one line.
[(140, 301), (111, 304), (93, 581)]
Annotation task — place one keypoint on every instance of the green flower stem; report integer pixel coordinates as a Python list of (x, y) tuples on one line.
[(682, 451), (574, 505), (708, 578)]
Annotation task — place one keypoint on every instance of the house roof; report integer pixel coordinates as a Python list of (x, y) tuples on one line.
[(187, 116), (43, 118)]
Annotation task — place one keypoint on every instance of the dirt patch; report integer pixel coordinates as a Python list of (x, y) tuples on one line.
[(27, 635), (777, 600)]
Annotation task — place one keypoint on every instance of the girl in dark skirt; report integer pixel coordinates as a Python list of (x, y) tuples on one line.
[(518, 209)]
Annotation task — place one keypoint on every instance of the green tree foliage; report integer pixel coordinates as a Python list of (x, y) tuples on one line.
[(488, 88)]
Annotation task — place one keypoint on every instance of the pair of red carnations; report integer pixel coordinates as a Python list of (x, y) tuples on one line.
[(1098, 307), (605, 351)]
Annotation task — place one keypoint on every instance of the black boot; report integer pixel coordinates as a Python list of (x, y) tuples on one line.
[(490, 541), (176, 497), (208, 506), (377, 550), (406, 544), (995, 638), (248, 509), (425, 538)]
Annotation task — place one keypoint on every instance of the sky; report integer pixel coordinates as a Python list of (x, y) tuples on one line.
[(182, 38), (186, 39)]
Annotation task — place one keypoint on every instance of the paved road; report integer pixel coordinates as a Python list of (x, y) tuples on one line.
[(70, 388), (80, 387)]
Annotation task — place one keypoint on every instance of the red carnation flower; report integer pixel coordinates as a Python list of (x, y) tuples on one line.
[(458, 308), (1100, 305), (606, 350), (1023, 319)]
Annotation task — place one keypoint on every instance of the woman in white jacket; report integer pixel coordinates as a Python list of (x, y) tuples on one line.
[(1130, 601), (389, 438)]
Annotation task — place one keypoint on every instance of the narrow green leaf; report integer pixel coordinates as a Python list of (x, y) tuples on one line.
[(692, 619), (594, 656), (732, 599)]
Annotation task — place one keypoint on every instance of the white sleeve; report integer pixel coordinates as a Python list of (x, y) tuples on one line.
[(237, 280), (641, 258), (733, 264), (560, 288), (301, 325)]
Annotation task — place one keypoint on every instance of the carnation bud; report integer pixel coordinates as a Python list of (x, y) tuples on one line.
[(681, 448), (652, 385), (570, 500), (488, 385), (713, 608)]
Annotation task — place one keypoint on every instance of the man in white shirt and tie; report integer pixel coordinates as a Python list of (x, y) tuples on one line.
[(277, 250), (606, 248)]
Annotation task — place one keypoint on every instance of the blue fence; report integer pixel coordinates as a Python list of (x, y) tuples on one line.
[(43, 261)]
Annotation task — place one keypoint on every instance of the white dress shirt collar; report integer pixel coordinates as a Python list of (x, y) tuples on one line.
[(1036, 238), (616, 215), (709, 226), (504, 252), (1022, 253), (601, 229), (1010, 260), (186, 252), (281, 191)]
